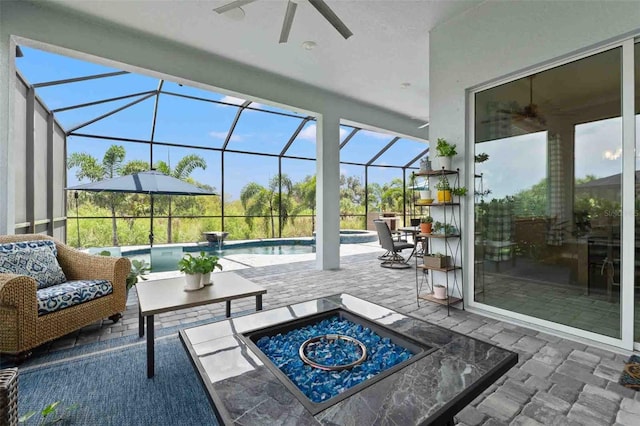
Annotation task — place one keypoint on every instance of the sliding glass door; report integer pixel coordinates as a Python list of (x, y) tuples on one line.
[(548, 214)]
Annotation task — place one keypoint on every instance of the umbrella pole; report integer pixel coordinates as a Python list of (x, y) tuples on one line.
[(151, 225), (75, 195)]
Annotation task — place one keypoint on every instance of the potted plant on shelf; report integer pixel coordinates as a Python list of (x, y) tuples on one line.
[(445, 151), (436, 260), (207, 264), (425, 224), (439, 292), (425, 193), (425, 164), (192, 267), (440, 228), (444, 190), (459, 192)]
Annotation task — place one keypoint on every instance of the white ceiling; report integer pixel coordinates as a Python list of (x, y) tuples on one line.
[(390, 45)]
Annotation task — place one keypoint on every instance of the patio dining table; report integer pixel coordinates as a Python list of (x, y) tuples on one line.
[(414, 231)]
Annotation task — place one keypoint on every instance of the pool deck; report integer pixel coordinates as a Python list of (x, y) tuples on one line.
[(559, 380)]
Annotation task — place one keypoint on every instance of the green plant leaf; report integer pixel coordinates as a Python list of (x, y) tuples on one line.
[(26, 416), (51, 408)]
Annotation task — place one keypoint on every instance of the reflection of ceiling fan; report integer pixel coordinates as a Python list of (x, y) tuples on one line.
[(320, 6), (528, 112)]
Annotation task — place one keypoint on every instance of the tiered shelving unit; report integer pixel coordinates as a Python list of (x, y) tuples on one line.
[(449, 244)]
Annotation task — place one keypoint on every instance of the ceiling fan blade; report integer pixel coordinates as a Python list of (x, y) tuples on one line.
[(288, 20), (330, 16), (227, 7)]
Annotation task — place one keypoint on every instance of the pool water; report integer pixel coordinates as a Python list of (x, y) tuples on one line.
[(166, 259), (283, 249)]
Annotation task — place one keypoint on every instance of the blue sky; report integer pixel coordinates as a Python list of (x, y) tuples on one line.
[(198, 123)]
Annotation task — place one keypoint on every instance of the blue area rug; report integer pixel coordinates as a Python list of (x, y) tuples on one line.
[(111, 387), (108, 381)]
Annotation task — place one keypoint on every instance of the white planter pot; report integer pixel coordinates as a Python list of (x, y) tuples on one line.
[(444, 162), (206, 279), (439, 292), (425, 194), (192, 281)]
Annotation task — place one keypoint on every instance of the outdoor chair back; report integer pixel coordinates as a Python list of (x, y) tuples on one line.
[(391, 259)]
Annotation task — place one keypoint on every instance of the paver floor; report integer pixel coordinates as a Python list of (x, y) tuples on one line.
[(556, 382)]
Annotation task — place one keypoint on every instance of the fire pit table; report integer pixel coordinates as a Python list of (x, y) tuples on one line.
[(262, 368)]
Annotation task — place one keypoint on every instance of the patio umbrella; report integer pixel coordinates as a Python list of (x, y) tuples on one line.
[(151, 182)]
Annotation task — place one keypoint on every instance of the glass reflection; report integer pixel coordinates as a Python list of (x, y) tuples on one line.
[(548, 164)]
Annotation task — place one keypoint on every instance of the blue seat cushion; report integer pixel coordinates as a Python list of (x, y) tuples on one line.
[(35, 259), (70, 293)]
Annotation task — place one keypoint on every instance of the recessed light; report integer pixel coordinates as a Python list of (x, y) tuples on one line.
[(405, 85), (309, 45)]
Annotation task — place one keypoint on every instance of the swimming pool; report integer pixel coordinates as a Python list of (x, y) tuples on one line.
[(165, 258)]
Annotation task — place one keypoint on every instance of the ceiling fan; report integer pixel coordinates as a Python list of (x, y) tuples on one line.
[(530, 111), (319, 5)]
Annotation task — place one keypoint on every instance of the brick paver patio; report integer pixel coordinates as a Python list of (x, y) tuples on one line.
[(556, 382)]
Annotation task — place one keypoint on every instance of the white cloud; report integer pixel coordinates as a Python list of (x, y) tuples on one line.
[(309, 133), (239, 101), (223, 136)]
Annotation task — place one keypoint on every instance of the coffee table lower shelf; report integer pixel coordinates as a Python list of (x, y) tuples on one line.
[(430, 297)]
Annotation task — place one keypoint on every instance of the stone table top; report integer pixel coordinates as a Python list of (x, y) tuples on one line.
[(429, 391)]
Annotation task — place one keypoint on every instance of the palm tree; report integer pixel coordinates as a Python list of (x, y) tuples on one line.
[(260, 201), (306, 193), (111, 166), (182, 171)]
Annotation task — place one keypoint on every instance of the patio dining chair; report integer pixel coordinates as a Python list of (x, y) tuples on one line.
[(393, 260)]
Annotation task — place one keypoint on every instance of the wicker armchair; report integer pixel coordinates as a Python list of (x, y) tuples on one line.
[(21, 329)]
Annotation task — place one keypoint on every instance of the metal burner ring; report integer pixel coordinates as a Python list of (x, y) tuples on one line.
[(307, 360)]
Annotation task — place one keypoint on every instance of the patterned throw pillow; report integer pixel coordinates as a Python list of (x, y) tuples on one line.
[(35, 259)]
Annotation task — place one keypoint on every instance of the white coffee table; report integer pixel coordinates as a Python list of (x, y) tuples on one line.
[(158, 296)]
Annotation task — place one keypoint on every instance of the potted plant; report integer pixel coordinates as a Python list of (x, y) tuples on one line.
[(444, 190), (207, 264), (481, 158), (425, 224), (444, 228), (436, 260), (139, 268), (425, 164), (459, 192), (439, 292), (445, 151), (192, 268), (425, 192)]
